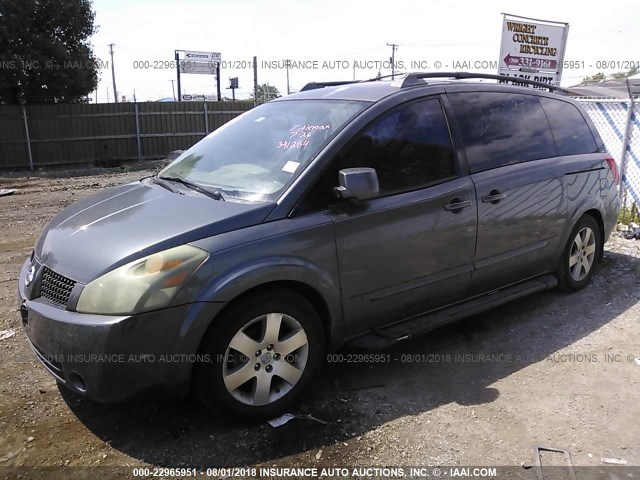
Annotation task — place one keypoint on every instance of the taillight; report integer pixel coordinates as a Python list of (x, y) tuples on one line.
[(614, 169)]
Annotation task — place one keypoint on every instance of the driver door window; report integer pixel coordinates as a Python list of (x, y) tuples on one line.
[(409, 148)]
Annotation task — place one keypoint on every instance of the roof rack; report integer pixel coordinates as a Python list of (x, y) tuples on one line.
[(412, 79), (315, 85)]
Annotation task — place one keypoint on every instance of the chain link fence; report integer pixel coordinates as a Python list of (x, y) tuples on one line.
[(618, 122)]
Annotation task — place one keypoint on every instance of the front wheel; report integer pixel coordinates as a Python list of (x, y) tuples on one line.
[(262, 353), (580, 255)]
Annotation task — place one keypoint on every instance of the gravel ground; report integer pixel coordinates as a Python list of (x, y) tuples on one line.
[(553, 369)]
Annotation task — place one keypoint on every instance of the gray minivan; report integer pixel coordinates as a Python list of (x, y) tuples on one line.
[(362, 212)]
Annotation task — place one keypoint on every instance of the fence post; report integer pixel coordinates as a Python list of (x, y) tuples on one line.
[(138, 140), (28, 137), (625, 144), (627, 135), (206, 119)]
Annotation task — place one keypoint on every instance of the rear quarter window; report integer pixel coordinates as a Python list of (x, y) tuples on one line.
[(501, 129), (569, 128)]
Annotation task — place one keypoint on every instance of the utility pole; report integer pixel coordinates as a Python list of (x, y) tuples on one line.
[(218, 81), (255, 81), (394, 47), (287, 65), (173, 89), (113, 74)]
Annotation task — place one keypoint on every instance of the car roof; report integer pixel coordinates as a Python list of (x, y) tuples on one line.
[(370, 91), (375, 90)]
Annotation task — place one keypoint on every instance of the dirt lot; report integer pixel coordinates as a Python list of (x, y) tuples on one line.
[(554, 369)]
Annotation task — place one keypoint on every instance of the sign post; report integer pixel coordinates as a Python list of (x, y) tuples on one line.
[(532, 49), (218, 81), (196, 62), (178, 73), (233, 84)]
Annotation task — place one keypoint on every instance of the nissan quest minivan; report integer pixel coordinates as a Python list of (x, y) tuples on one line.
[(362, 213)]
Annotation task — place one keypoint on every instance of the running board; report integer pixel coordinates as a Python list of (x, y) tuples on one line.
[(405, 329)]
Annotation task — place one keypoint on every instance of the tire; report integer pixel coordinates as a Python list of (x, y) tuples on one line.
[(262, 354), (580, 256)]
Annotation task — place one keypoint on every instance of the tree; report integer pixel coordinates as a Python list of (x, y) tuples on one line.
[(266, 92), (628, 74), (45, 54), (598, 77)]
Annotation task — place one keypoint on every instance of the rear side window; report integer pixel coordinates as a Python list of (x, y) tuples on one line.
[(410, 148), (501, 129), (570, 130)]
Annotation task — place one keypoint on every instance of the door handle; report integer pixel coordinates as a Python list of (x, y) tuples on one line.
[(494, 197), (456, 205)]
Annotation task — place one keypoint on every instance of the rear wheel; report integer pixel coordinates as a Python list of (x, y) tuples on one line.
[(580, 255), (262, 353)]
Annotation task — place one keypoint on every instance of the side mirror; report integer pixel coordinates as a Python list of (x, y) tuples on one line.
[(357, 183)]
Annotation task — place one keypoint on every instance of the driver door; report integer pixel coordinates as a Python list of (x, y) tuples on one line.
[(411, 249)]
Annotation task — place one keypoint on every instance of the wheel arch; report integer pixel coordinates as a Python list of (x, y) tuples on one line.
[(329, 324), (306, 291), (597, 216), (591, 206), (210, 341)]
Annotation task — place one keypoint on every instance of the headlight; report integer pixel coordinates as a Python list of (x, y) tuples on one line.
[(146, 284)]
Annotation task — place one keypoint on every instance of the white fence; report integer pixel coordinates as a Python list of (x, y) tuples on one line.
[(618, 122)]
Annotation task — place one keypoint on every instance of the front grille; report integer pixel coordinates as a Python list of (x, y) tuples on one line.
[(55, 287)]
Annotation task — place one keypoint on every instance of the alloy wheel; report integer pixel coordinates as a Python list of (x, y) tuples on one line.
[(582, 255), (265, 359)]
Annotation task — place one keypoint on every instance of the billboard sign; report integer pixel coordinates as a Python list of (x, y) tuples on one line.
[(213, 57), (532, 49), (199, 63), (202, 68)]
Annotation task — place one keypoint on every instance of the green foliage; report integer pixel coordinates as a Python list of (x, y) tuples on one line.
[(628, 74), (601, 76), (45, 54), (594, 78), (627, 215), (265, 93)]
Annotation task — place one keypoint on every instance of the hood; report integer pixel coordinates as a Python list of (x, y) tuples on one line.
[(131, 221)]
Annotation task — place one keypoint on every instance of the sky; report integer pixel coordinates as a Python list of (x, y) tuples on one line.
[(327, 38)]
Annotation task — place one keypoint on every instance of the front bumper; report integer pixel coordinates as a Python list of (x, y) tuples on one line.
[(113, 358)]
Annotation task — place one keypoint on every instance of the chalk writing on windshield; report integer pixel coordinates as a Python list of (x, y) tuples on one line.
[(305, 131), (293, 144)]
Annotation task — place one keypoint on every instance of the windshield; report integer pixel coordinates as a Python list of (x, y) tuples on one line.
[(258, 154)]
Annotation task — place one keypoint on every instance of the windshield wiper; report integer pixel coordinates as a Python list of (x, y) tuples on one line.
[(165, 185), (216, 194)]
